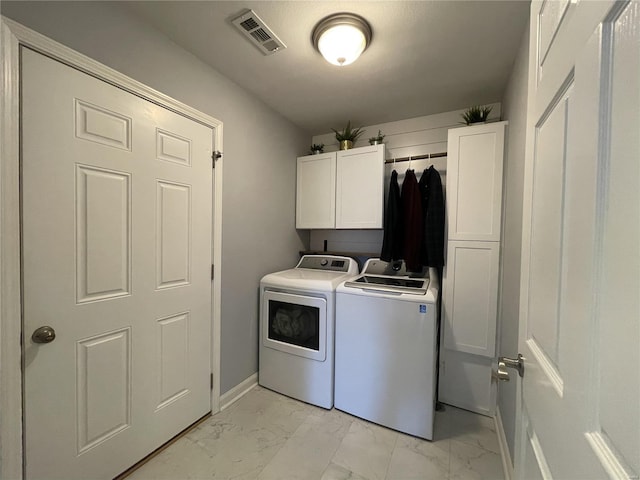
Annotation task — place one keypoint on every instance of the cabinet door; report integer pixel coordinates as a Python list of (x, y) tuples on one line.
[(469, 312), (465, 381), (471, 297), (474, 181), (360, 187), (316, 191)]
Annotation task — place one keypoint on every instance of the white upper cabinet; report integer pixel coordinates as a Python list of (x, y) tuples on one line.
[(316, 191), (474, 189), (360, 187), (342, 189)]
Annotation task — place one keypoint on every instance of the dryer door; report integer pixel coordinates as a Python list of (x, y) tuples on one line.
[(295, 324)]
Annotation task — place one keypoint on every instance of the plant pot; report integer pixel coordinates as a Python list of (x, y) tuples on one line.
[(346, 144), (375, 142), (316, 152)]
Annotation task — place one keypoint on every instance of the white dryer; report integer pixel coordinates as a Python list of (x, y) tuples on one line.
[(297, 322), (386, 347)]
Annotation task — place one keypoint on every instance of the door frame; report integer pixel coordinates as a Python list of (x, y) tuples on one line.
[(12, 36)]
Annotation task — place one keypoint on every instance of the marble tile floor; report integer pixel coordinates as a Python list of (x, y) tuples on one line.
[(268, 436)]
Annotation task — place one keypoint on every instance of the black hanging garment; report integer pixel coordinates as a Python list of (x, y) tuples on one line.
[(433, 205), (412, 222), (392, 240)]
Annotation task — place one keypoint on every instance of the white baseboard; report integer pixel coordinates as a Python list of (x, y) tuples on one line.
[(507, 466), (228, 398)]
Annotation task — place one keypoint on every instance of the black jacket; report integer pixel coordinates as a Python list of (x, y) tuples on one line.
[(433, 206), (412, 222), (392, 240)]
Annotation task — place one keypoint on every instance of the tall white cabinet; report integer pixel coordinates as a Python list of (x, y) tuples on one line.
[(342, 189), (470, 278)]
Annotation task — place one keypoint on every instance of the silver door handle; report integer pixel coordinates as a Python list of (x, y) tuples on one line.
[(506, 362)]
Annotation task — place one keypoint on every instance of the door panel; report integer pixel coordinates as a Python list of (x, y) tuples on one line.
[(547, 227), (536, 465), (173, 358), (104, 387), (474, 189), (359, 187), (316, 191), (100, 125), (103, 251), (618, 232), (470, 300), (579, 326), (551, 16), (116, 209), (173, 235)]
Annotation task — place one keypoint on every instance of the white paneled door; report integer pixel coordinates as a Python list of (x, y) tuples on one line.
[(116, 219), (579, 414)]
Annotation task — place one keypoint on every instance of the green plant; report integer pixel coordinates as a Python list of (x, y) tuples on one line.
[(476, 114), (378, 137), (317, 148), (348, 133)]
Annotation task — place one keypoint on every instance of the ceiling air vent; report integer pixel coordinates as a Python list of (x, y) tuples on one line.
[(258, 33)]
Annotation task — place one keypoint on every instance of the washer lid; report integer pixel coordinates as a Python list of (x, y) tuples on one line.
[(413, 286), (393, 278)]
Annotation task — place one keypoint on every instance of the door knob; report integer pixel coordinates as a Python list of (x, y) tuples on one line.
[(44, 334), (506, 362), (502, 373)]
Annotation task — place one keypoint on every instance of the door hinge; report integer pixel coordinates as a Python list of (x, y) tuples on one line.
[(215, 156), (211, 381), (212, 271)]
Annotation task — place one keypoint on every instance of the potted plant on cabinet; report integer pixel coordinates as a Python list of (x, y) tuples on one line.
[(377, 139), (347, 137), (317, 149), (476, 114)]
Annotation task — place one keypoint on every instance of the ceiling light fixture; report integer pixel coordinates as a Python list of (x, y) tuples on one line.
[(341, 38)]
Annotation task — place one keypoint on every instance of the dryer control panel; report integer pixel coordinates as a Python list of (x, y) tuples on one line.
[(327, 262)]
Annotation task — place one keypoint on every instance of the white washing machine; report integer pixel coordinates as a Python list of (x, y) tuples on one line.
[(297, 322), (386, 347)]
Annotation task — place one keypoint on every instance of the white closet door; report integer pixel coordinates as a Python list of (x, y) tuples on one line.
[(117, 199), (579, 409)]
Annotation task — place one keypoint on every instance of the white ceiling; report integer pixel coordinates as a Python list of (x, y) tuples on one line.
[(425, 56)]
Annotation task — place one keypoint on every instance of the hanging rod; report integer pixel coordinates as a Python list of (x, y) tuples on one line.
[(426, 156)]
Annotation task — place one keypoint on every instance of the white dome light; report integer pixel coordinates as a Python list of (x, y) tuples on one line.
[(341, 38)]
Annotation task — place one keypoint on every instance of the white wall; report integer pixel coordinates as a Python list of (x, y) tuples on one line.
[(410, 137), (515, 110), (260, 148)]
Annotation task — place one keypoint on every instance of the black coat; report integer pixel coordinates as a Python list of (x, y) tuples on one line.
[(392, 240), (412, 222), (433, 206)]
